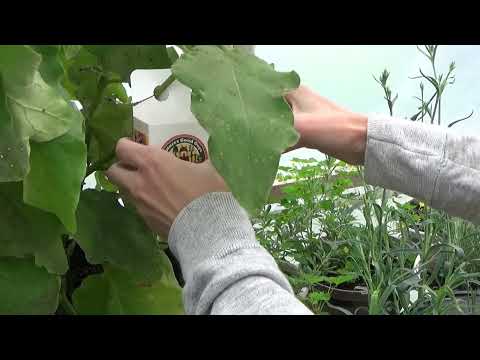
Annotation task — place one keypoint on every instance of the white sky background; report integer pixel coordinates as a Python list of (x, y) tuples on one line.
[(344, 75)]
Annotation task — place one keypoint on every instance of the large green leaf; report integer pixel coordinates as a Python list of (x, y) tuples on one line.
[(26, 289), (26, 230), (116, 292), (57, 169), (43, 113), (107, 119), (111, 233), (84, 77), (70, 51), (238, 99), (172, 54), (46, 113), (110, 122), (18, 64), (17, 68), (58, 164), (14, 147), (124, 59), (29, 109), (50, 67), (103, 183)]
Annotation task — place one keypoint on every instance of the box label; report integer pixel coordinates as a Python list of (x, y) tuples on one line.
[(140, 137), (187, 148)]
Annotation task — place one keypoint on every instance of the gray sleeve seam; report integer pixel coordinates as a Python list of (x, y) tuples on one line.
[(245, 277), (443, 163), (230, 250), (445, 158), (405, 149)]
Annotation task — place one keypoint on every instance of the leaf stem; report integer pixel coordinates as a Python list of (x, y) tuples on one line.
[(66, 305), (64, 302), (159, 90), (142, 101)]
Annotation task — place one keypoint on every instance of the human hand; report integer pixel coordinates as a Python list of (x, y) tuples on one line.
[(159, 184), (327, 127)]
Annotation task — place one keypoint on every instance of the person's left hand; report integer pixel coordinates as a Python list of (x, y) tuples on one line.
[(159, 184)]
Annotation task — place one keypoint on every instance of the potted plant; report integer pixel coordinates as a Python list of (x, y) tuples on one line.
[(308, 234)]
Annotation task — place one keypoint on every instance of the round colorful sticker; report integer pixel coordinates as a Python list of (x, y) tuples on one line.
[(187, 148)]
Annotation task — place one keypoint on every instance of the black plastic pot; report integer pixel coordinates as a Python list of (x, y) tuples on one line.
[(352, 300), (465, 302)]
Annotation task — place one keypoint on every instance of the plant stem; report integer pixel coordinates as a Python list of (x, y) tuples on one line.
[(70, 248), (159, 90), (435, 109), (142, 101), (439, 109), (103, 82), (64, 302), (66, 305), (423, 104)]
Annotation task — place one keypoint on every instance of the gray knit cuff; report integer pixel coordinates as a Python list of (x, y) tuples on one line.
[(404, 156), (210, 227)]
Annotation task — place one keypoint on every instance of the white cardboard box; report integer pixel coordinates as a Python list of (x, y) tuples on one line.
[(168, 122)]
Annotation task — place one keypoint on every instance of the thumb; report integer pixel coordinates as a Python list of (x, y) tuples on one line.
[(294, 97), (290, 99)]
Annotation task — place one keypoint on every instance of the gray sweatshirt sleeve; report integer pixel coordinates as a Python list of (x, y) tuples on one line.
[(225, 269), (427, 162)]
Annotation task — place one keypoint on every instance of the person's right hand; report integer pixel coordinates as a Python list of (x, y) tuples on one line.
[(327, 127), (160, 185)]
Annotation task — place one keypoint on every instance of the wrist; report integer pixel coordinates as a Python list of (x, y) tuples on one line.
[(342, 135), (358, 129)]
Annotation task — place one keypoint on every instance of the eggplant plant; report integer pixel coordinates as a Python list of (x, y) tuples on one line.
[(70, 250)]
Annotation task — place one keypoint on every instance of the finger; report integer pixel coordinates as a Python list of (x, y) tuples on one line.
[(290, 99), (293, 95), (166, 159), (121, 176), (130, 153)]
